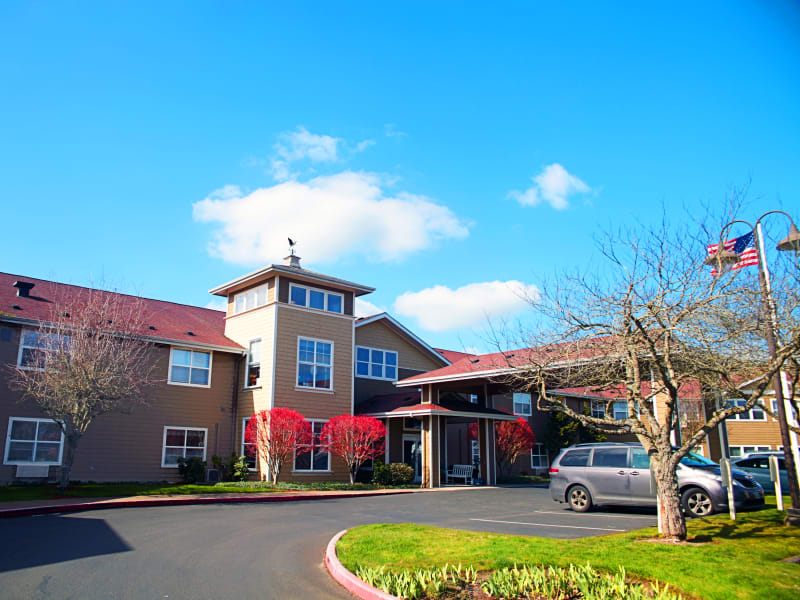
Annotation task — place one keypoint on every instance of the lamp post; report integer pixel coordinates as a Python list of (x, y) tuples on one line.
[(725, 257)]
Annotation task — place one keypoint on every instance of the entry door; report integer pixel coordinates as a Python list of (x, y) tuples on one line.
[(412, 454)]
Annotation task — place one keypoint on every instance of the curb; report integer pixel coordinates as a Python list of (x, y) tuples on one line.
[(346, 579), (249, 499)]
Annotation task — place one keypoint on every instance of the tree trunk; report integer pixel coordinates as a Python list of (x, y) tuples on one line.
[(353, 475), (68, 458), (672, 520)]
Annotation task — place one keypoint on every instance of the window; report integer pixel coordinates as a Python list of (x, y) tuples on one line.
[(300, 295), (598, 409), (254, 364), (476, 452), (575, 458), (317, 459), (33, 347), (473, 398), (754, 414), (248, 450), (619, 410), (539, 457), (639, 459), (33, 441), (314, 364), (250, 299), (183, 442), (790, 412), (412, 423), (522, 404), (735, 451), (610, 457), (189, 367), (374, 363)]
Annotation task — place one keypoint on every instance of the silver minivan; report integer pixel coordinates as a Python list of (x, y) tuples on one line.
[(584, 475)]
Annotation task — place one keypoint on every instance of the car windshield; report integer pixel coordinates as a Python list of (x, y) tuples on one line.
[(695, 460)]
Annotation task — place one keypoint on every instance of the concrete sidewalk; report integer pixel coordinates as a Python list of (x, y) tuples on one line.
[(68, 504)]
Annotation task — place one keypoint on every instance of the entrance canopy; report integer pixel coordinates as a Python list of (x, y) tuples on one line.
[(409, 404)]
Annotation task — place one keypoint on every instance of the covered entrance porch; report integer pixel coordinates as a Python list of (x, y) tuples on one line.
[(418, 433)]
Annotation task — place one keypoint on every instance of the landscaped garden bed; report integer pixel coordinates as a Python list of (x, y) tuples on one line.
[(723, 559)]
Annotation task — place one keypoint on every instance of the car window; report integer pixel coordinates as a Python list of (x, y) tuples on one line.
[(782, 464), (610, 457), (761, 463), (695, 460), (639, 459), (747, 463), (575, 458)]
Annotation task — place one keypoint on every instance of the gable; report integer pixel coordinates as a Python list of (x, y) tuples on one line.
[(410, 355)]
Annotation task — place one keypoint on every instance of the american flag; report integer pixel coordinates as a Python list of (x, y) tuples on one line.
[(744, 246)]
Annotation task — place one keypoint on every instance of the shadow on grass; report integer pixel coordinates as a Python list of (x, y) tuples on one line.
[(36, 541)]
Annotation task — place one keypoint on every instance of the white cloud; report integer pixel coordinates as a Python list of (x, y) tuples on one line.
[(553, 185), (330, 216), (363, 145), (440, 308), (293, 146), (218, 304), (364, 308)]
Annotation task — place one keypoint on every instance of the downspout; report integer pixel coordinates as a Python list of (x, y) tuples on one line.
[(234, 401)]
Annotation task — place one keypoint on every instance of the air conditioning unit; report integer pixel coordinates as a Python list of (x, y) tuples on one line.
[(212, 475), (32, 471)]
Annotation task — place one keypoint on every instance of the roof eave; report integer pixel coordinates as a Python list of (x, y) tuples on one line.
[(356, 288)]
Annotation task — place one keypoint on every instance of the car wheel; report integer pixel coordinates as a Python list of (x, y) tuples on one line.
[(579, 498), (697, 502)]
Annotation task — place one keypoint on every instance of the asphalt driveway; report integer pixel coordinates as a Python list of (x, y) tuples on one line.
[(243, 551)]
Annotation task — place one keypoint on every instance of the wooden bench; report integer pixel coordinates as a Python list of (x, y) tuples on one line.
[(461, 472)]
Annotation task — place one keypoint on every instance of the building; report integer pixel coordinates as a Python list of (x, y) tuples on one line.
[(288, 338)]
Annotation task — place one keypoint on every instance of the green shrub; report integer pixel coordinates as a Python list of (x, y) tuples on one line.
[(192, 470), (239, 469), (381, 474), (402, 474)]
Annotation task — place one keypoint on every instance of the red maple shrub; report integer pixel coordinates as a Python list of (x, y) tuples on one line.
[(512, 438), (276, 434), (354, 439)]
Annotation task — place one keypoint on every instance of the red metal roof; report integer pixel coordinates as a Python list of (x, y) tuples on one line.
[(171, 321), (452, 355)]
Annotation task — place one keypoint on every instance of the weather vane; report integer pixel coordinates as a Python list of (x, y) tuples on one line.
[(291, 246)]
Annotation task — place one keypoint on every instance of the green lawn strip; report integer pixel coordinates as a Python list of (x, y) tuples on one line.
[(742, 560)]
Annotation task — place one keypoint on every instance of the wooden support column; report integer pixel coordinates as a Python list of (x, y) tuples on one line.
[(435, 460), (425, 435), (484, 449)]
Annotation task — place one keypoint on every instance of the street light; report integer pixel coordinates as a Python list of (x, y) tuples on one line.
[(722, 258)]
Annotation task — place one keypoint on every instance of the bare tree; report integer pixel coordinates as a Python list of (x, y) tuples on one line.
[(654, 328), (87, 359)]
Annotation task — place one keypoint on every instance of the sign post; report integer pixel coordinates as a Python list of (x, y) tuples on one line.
[(775, 476), (727, 482)]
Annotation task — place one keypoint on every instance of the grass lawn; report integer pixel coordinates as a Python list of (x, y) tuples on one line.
[(110, 490), (731, 559)]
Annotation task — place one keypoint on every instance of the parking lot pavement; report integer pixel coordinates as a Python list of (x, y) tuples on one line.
[(252, 551)]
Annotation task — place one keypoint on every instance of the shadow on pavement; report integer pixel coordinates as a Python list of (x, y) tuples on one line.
[(36, 541)]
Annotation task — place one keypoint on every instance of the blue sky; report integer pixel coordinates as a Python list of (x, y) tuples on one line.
[(163, 148)]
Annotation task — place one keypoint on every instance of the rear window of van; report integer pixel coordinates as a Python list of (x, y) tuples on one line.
[(575, 458)]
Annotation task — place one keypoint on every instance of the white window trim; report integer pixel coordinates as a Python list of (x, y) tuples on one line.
[(197, 385), (746, 417), (312, 470), (755, 448), (164, 443), (297, 365), (241, 447), (472, 454), (23, 346), (255, 291), (30, 462), (514, 404), (370, 363), (248, 363), (541, 452), (308, 298)]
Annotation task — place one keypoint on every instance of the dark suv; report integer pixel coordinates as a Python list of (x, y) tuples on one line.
[(612, 473)]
